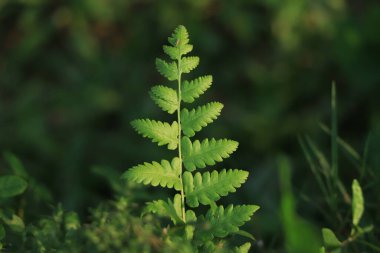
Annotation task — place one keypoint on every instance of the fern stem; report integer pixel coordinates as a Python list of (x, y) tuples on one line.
[(179, 139)]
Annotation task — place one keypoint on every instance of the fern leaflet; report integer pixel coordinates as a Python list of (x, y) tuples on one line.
[(170, 209), (193, 121), (221, 222), (189, 63), (180, 37), (208, 187), (193, 89), (199, 154), (160, 132), (166, 98), (164, 174), (168, 70)]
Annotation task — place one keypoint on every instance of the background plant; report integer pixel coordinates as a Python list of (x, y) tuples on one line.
[(10, 186), (336, 198)]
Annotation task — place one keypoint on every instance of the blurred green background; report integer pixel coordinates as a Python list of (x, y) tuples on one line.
[(73, 74)]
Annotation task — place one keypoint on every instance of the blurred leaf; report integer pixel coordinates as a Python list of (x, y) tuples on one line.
[(2, 233), (15, 223), (300, 236), (366, 229), (170, 209), (330, 240), (357, 203), (72, 221), (243, 248), (12, 186), (246, 234), (16, 165)]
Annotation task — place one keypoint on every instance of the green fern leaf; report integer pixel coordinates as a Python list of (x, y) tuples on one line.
[(165, 97), (208, 187), (165, 174), (168, 209), (193, 89), (180, 44), (161, 132), (175, 53), (185, 49), (180, 37), (198, 155), (193, 121), (220, 222), (330, 240), (168, 70), (189, 63)]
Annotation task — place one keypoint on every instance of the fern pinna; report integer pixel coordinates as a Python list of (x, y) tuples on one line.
[(194, 188)]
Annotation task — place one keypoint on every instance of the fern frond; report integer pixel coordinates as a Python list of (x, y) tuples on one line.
[(193, 89), (198, 155), (220, 222), (189, 63), (205, 188), (168, 70), (164, 174), (193, 121), (161, 132), (165, 97), (208, 187), (168, 209)]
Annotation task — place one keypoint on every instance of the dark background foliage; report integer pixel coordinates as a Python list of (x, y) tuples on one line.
[(74, 73)]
